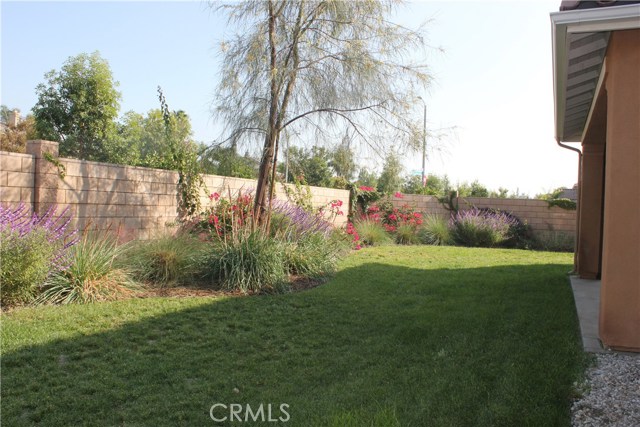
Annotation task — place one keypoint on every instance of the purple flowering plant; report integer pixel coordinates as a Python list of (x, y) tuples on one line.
[(481, 227), (33, 247)]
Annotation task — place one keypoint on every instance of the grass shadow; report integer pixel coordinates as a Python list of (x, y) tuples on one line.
[(379, 344)]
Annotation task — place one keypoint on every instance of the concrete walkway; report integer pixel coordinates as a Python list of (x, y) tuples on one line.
[(586, 294)]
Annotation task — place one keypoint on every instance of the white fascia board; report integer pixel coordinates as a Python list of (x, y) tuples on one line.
[(599, 19), (560, 51), (611, 18)]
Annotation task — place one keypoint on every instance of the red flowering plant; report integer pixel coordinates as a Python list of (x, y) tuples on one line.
[(351, 231), (331, 210), (225, 215), (361, 198), (391, 217)]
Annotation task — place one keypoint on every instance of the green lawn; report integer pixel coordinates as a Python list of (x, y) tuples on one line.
[(401, 336)]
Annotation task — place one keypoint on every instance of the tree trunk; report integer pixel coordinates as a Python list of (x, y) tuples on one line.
[(272, 131)]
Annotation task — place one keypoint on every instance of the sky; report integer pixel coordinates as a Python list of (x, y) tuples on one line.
[(493, 82)]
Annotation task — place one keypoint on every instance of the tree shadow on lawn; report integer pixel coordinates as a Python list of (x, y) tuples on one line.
[(377, 345)]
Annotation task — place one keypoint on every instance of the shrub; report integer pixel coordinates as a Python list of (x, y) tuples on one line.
[(362, 197), (32, 248), (298, 242), (92, 275), (480, 228), (372, 233), (435, 231), (166, 261), (250, 262), (293, 222), (224, 216)]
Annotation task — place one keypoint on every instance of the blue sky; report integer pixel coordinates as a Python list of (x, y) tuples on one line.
[(494, 81)]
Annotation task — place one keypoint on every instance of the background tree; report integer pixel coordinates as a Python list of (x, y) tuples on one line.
[(475, 189), (225, 161), (435, 186), (502, 193), (78, 107), (144, 139), (5, 113), (318, 65), (391, 176), (342, 160), (311, 163), (14, 138), (367, 178)]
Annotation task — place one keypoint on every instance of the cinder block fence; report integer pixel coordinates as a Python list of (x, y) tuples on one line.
[(142, 202), (136, 202)]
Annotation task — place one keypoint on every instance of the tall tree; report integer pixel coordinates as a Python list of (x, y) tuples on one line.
[(318, 65), (367, 178), (312, 163), (145, 138), (226, 161), (342, 160), (78, 107), (391, 176)]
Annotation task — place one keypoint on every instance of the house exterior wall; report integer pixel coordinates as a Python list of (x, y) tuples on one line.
[(590, 204), (620, 291)]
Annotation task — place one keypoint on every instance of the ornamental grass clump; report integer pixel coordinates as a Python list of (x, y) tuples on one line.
[(315, 255), (406, 234), (33, 247), (247, 258), (435, 231), (372, 233), (481, 228), (250, 262), (166, 261), (93, 274)]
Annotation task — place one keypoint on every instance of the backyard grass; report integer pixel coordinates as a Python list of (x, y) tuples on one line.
[(401, 336)]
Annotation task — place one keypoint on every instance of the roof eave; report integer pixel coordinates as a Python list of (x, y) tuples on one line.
[(581, 21)]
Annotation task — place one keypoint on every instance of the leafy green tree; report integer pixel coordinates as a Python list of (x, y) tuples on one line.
[(551, 195), (342, 161), (475, 189), (367, 178), (391, 176), (78, 107), (225, 161), (312, 164), (143, 140), (318, 65), (435, 185), (502, 193)]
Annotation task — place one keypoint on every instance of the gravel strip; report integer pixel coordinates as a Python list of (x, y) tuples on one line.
[(611, 394)]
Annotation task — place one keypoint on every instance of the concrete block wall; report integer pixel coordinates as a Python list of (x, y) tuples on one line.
[(536, 213), (321, 196), (17, 179), (135, 202), (132, 201)]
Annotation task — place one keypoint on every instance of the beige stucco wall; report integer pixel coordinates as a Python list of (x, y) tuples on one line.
[(620, 290)]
